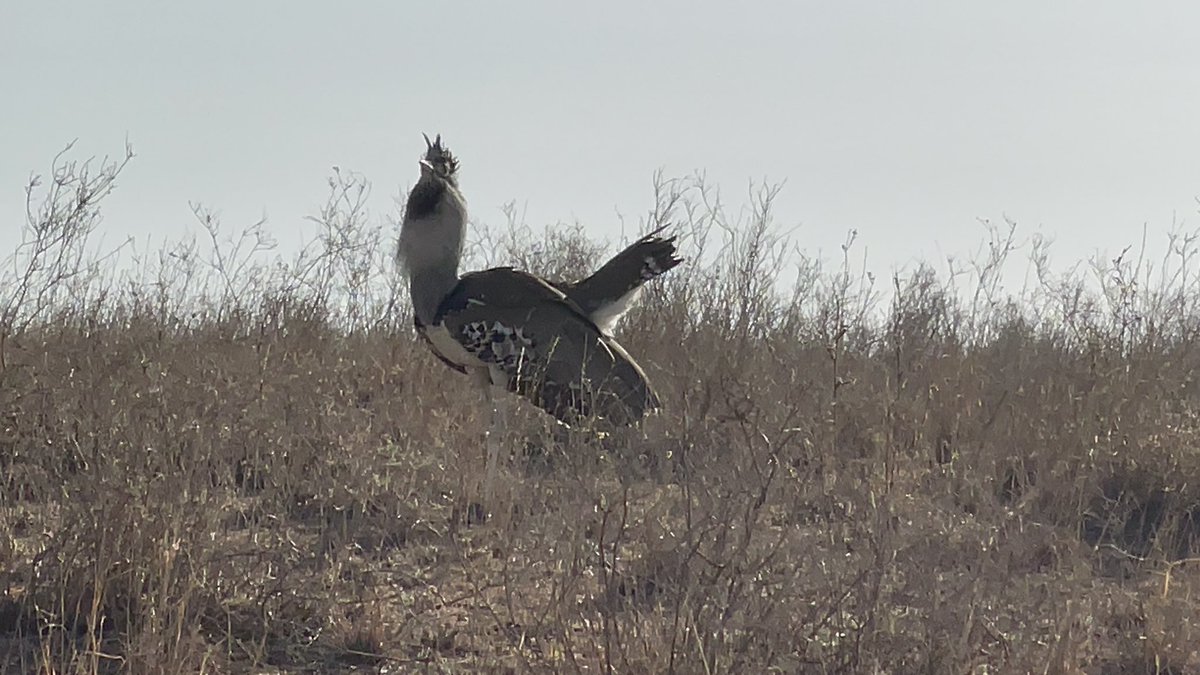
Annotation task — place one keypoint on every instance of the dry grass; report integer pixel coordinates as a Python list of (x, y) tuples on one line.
[(217, 464)]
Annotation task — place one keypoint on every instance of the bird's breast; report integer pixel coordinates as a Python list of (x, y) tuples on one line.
[(450, 349)]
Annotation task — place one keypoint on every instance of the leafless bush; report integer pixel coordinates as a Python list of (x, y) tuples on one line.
[(220, 459), (52, 265)]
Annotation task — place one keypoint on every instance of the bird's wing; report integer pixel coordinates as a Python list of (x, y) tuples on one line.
[(609, 291), (540, 345)]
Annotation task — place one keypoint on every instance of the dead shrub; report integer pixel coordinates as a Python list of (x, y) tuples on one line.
[(214, 458)]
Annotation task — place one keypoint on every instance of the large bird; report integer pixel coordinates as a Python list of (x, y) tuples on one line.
[(548, 342)]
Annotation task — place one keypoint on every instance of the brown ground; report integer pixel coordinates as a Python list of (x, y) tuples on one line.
[(251, 470)]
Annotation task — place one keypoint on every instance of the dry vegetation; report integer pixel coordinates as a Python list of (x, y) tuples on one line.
[(215, 461)]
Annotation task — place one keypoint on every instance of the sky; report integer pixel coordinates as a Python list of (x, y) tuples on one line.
[(908, 122)]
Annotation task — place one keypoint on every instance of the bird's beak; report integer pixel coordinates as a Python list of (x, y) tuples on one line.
[(426, 167)]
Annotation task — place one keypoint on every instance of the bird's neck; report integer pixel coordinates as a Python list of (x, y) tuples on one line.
[(431, 246), (428, 287)]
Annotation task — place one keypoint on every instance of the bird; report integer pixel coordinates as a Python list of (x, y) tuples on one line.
[(612, 290), (548, 342)]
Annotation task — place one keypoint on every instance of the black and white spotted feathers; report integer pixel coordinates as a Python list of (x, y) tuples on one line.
[(497, 344)]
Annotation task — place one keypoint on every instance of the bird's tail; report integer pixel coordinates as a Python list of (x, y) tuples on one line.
[(608, 293)]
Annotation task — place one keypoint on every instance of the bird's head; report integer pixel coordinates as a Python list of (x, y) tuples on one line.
[(438, 161)]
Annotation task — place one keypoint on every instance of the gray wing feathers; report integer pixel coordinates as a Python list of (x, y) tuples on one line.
[(547, 349)]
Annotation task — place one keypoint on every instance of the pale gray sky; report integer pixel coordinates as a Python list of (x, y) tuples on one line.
[(904, 120)]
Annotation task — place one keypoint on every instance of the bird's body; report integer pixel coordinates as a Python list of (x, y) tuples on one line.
[(607, 294), (536, 343), (549, 343)]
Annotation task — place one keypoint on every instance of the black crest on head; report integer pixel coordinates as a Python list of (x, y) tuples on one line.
[(440, 157)]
